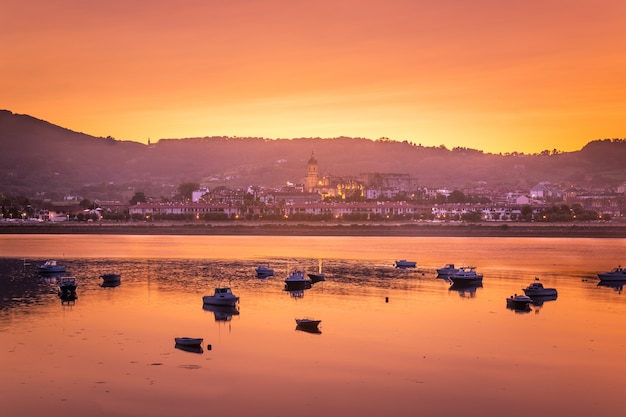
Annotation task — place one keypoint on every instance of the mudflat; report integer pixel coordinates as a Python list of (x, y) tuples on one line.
[(422, 229)]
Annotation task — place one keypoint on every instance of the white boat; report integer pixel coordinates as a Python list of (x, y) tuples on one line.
[(536, 289), (51, 267), (447, 270), (67, 285), (263, 271), (110, 277), (403, 263), (617, 274), (188, 341), (223, 296), (297, 280), (519, 302), (466, 275)]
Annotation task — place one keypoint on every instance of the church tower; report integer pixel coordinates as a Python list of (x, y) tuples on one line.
[(311, 175)]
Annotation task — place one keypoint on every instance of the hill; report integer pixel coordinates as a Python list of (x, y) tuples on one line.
[(39, 157)]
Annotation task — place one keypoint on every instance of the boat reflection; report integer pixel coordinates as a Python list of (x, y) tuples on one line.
[(110, 284), (295, 293), (538, 300), (307, 329), (308, 325), (466, 290), (222, 313), (189, 348), (67, 298), (519, 309), (616, 285)]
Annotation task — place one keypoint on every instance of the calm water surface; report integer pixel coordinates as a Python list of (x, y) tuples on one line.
[(392, 342)]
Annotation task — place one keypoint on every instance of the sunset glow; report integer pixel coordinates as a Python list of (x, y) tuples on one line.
[(491, 75)]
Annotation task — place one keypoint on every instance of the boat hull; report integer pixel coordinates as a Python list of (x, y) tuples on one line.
[(264, 272), (610, 276), (405, 264), (219, 301), (317, 277), (518, 302), (188, 341), (308, 325), (459, 281), (546, 292)]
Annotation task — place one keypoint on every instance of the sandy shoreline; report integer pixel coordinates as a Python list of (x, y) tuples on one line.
[(590, 230)]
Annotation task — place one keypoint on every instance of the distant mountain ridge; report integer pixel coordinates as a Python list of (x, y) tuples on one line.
[(37, 156)]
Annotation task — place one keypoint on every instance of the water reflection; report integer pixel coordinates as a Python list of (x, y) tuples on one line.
[(68, 298), (222, 313), (110, 284), (114, 349), (538, 300), (466, 290), (308, 329), (519, 309), (616, 285)]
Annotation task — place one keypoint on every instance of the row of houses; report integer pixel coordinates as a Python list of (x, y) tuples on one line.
[(361, 210)]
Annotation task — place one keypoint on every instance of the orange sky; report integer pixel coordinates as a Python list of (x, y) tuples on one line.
[(499, 76)]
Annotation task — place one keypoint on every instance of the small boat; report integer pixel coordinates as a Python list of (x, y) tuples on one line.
[(536, 289), (188, 341), (403, 263), (50, 267), (223, 296), (67, 285), (263, 271), (190, 348), (111, 277), (466, 275), (297, 280), (617, 274), (317, 276), (447, 270), (308, 324), (519, 302)]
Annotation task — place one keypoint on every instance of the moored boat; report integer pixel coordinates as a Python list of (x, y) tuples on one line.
[(518, 302), (466, 275), (67, 285), (110, 277), (50, 267), (403, 263), (617, 274), (263, 271), (188, 341), (308, 325), (317, 277), (447, 270), (536, 289), (297, 280), (222, 296)]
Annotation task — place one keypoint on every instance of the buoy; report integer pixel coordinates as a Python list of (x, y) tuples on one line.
[(386, 299), (208, 347)]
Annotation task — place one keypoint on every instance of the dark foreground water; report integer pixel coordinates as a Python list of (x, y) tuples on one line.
[(392, 343)]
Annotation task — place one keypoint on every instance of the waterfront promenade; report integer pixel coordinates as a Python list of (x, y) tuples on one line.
[(495, 229)]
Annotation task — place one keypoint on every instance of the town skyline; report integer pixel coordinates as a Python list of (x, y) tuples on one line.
[(493, 76)]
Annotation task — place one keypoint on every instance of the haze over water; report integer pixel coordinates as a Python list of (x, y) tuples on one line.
[(393, 342)]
